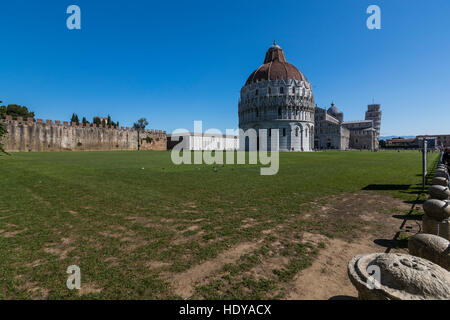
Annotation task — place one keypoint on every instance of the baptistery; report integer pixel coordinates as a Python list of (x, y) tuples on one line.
[(278, 96)]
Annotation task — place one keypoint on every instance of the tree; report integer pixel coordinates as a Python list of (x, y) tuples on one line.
[(15, 111), (75, 119), (140, 126), (2, 133), (96, 121), (84, 121)]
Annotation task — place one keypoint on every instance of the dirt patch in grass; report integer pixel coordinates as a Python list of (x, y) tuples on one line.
[(306, 257), (372, 225), (327, 276), (248, 223), (39, 198), (192, 228), (183, 283), (156, 264), (34, 290), (112, 261), (87, 288), (10, 234), (62, 249)]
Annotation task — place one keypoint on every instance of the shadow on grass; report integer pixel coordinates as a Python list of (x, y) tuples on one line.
[(408, 217), (417, 201), (391, 243), (387, 187)]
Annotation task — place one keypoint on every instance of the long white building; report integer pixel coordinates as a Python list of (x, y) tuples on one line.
[(206, 141)]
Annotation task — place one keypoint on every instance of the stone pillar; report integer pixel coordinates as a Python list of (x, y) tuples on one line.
[(431, 247), (436, 218)]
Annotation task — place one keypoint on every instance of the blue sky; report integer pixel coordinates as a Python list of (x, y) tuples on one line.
[(174, 62)]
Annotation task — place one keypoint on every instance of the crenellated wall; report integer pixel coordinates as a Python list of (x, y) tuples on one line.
[(28, 135)]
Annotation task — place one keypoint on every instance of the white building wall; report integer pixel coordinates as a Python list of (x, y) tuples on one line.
[(198, 142)]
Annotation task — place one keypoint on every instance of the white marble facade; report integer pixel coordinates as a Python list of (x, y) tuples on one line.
[(283, 104)]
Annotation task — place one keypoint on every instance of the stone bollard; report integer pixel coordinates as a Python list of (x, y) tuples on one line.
[(395, 276), (431, 247), (436, 219), (440, 181), (439, 192), (441, 174)]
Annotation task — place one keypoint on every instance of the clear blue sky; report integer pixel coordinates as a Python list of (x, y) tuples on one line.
[(174, 62)]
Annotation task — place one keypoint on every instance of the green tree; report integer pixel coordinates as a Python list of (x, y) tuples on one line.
[(97, 121), (2, 133), (15, 111), (84, 121), (75, 119), (140, 126)]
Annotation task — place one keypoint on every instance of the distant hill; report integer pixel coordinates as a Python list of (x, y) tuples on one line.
[(391, 137)]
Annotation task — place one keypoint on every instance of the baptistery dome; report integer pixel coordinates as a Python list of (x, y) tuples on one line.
[(275, 67), (278, 96)]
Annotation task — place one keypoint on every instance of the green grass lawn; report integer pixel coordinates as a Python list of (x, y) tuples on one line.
[(130, 220)]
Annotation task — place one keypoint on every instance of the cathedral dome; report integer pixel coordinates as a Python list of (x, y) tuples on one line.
[(333, 110), (275, 67)]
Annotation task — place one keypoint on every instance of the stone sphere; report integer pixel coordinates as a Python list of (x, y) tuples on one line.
[(442, 171), (439, 192), (401, 277), (441, 174), (440, 181), (437, 209), (431, 247)]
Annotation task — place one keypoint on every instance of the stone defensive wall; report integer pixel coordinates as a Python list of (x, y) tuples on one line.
[(27, 135)]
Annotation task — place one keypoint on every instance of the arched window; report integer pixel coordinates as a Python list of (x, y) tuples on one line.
[(296, 132), (269, 90), (281, 90), (306, 132), (279, 111), (293, 90), (284, 132), (256, 92)]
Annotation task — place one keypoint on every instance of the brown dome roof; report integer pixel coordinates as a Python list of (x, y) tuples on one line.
[(275, 67)]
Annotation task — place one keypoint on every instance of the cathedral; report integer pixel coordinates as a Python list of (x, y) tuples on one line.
[(278, 96), (332, 132)]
